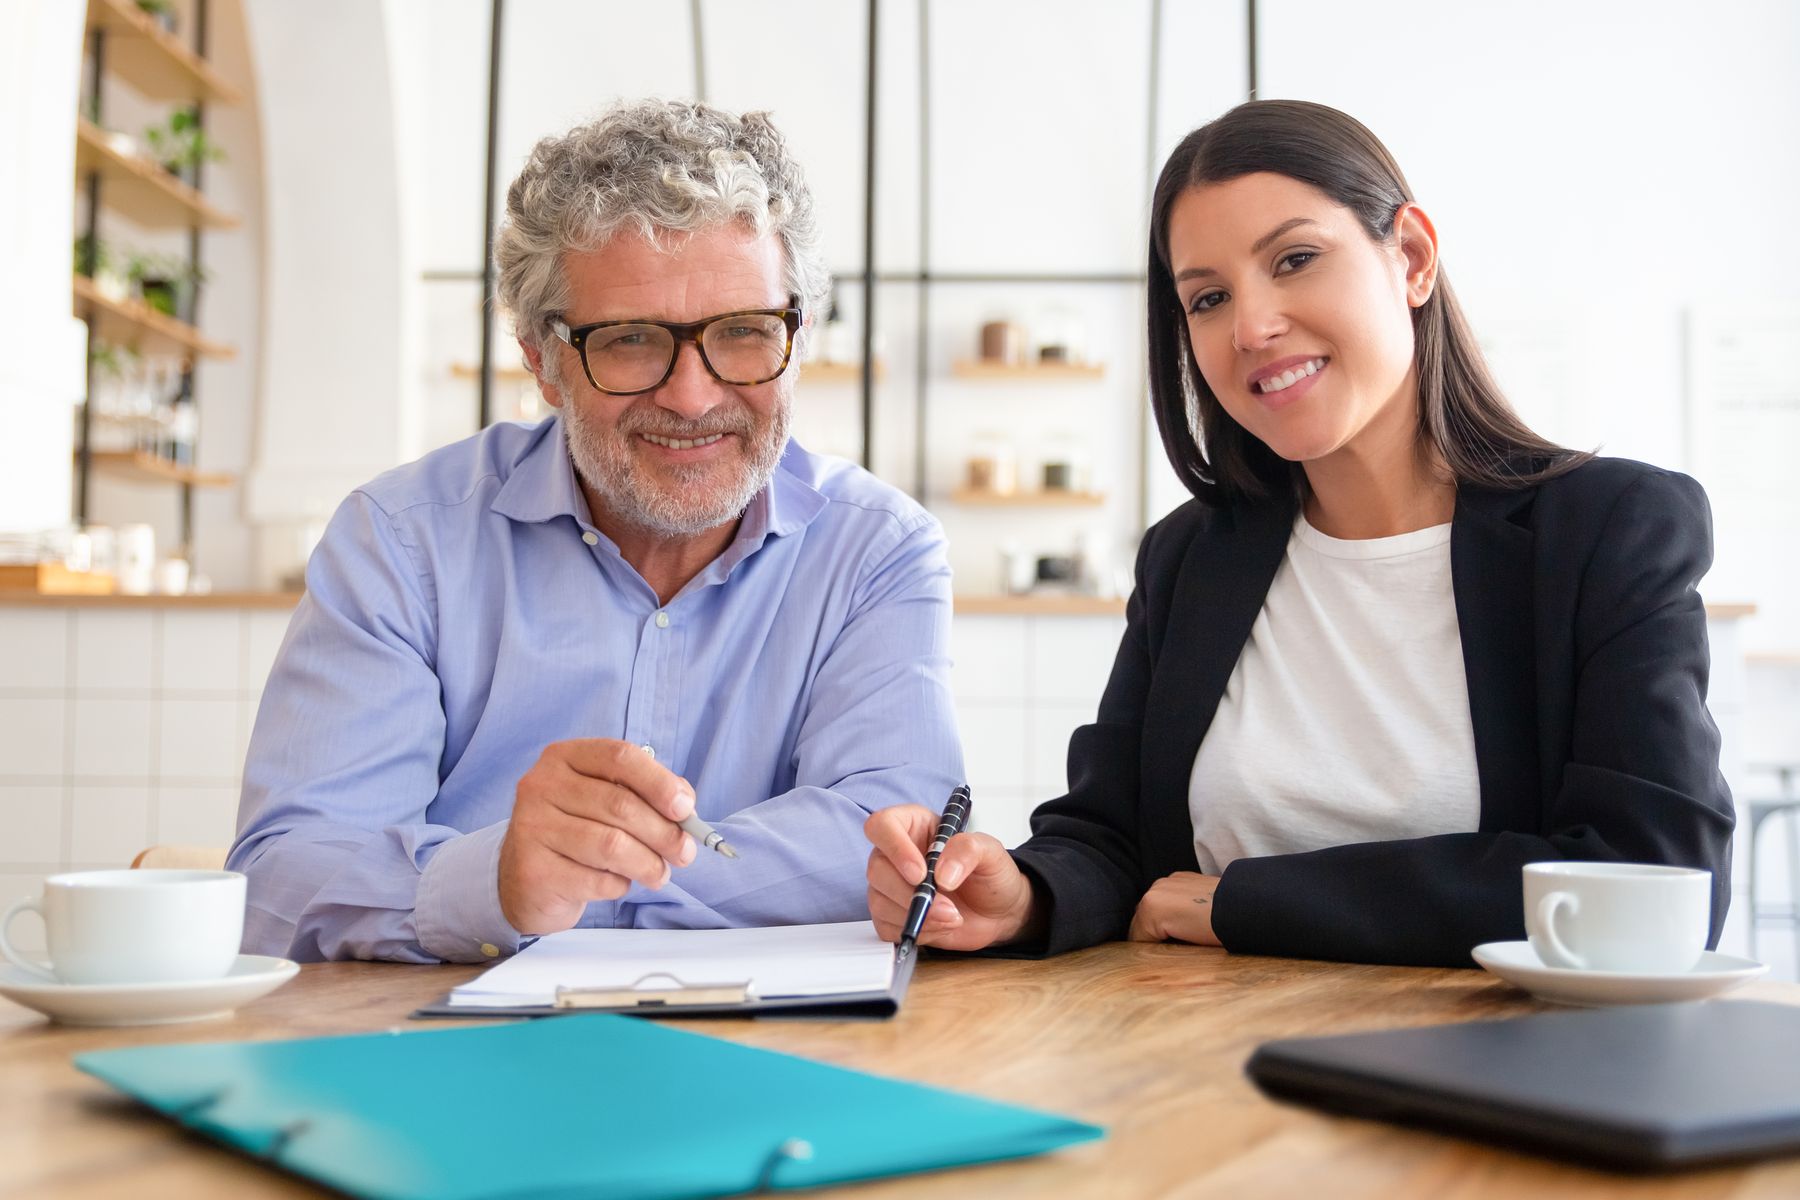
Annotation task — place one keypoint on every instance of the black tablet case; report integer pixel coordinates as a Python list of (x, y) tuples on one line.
[(1647, 1087)]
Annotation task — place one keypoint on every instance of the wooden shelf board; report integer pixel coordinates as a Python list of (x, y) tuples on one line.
[(968, 368), (135, 187), (835, 372), (147, 468), (503, 374), (132, 323), (53, 579), (1060, 604), (810, 372), (152, 61), (1048, 604), (275, 600), (1034, 499)]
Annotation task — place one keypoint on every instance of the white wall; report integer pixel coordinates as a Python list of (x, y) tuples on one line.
[(1598, 173), (43, 348), (339, 371)]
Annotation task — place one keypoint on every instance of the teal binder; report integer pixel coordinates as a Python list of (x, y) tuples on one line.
[(586, 1106)]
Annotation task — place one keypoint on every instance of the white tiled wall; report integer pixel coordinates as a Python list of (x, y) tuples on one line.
[(120, 730), (1022, 685)]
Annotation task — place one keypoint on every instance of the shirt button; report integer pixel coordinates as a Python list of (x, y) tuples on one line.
[(649, 749), (491, 950), (662, 620), (590, 539)]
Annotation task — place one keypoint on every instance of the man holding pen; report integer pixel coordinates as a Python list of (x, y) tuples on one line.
[(525, 660)]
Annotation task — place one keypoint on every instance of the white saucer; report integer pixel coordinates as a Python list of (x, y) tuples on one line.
[(252, 975), (1518, 964)]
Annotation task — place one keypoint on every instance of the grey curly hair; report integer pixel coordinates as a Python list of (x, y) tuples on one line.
[(653, 167)]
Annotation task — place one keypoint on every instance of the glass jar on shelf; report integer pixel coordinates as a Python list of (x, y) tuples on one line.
[(992, 467), (1060, 337), (1063, 466)]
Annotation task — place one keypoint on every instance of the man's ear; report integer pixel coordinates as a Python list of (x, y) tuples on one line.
[(534, 360), (1416, 238)]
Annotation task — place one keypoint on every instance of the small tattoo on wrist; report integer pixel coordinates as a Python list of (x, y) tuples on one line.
[(1201, 899)]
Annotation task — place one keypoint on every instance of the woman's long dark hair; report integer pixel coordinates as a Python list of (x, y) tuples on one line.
[(1463, 416)]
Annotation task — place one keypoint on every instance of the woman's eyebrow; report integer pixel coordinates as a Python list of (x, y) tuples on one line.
[(1262, 243)]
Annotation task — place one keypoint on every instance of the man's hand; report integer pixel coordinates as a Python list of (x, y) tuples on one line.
[(982, 899), (1177, 908), (592, 816)]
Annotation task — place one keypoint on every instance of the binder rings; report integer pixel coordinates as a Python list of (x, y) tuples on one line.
[(595, 1105), (839, 970)]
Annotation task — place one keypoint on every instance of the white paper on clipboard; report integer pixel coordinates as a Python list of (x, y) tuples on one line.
[(783, 961)]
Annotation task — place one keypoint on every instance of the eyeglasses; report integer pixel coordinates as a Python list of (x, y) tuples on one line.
[(624, 358)]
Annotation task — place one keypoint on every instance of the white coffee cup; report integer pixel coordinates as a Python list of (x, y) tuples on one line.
[(125, 927), (1629, 917)]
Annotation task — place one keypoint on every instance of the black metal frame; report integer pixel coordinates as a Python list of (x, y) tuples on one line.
[(189, 312), (871, 278), (484, 400)]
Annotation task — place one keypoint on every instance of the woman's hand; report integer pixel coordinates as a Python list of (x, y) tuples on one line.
[(1178, 908), (983, 899)]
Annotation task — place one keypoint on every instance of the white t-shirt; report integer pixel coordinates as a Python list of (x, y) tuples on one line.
[(1347, 716)]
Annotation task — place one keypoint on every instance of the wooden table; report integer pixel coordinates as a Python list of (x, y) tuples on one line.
[(1149, 1041)]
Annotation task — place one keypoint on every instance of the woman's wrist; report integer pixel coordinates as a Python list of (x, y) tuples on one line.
[(1030, 921)]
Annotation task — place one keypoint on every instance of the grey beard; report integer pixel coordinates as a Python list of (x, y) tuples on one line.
[(604, 460)]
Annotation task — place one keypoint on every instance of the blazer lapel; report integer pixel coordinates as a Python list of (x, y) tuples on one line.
[(1491, 575), (1219, 590)]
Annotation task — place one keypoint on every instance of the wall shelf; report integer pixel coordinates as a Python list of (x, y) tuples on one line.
[(252, 600), (152, 60), (139, 189), (503, 374), (970, 368), (1039, 604), (837, 372), (135, 324), (817, 372), (138, 467), (1033, 499)]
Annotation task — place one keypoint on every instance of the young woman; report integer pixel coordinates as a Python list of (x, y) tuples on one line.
[(1397, 645)]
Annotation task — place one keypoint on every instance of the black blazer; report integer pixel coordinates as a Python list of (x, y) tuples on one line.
[(1584, 642)]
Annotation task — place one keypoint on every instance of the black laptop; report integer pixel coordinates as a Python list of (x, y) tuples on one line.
[(1648, 1087)]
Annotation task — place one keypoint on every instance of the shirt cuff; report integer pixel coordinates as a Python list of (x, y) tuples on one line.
[(457, 914)]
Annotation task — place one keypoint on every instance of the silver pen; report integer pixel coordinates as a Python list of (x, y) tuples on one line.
[(708, 837)]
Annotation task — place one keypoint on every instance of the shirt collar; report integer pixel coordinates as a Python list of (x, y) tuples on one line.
[(542, 484), (542, 487)]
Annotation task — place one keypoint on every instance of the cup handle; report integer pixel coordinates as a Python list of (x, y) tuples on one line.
[(19, 960), (1550, 947)]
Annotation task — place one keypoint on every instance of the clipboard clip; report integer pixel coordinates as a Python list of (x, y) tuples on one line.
[(192, 1113), (647, 993), (792, 1150)]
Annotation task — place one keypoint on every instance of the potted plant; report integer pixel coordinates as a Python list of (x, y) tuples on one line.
[(102, 263), (164, 282), (181, 144), (160, 11), (109, 361)]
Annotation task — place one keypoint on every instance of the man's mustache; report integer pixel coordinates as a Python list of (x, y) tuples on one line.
[(632, 422)]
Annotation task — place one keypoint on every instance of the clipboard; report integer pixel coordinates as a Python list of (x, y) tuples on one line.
[(663, 993)]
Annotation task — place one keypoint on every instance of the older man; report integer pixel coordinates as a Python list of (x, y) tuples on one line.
[(523, 659)]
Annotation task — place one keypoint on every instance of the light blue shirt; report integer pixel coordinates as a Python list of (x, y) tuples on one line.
[(462, 613)]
